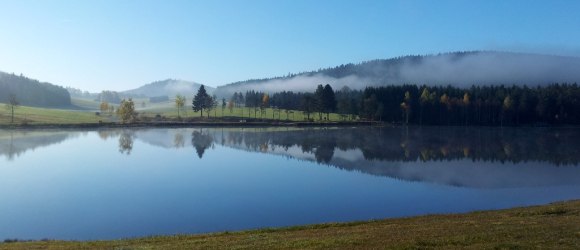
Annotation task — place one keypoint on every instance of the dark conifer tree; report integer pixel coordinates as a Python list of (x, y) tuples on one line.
[(328, 100), (201, 100)]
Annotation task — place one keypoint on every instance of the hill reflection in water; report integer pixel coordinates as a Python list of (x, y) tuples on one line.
[(456, 156), (472, 157), (118, 183)]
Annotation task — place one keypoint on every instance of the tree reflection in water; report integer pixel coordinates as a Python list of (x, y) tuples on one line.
[(557, 146), (201, 141), (178, 140), (126, 142), (463, 156)]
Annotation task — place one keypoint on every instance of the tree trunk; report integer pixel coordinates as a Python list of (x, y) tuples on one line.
[(421, 116), (441, 113)]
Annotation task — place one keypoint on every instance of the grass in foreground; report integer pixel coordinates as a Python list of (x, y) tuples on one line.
[(554, 226)]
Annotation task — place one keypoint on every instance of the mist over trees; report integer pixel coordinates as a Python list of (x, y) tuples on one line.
[(75, 92), (109, 96), (461, 88), (458, 69), (30, 92), (168, 88)]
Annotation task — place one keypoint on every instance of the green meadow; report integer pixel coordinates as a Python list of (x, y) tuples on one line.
[(85, 111)]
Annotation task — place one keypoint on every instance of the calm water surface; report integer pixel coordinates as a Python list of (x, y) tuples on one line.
[(108, 184)]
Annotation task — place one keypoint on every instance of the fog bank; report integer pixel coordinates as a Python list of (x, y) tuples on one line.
[(456, 69)]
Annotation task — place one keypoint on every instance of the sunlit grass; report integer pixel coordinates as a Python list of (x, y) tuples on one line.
[(88, 114), (33, 115), (554, 226), (84, 103), (241, 113)]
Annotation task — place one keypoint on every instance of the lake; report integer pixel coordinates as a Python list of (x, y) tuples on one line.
[(118, 183)]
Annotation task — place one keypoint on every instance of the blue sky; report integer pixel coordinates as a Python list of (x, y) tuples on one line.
[(122, 44)]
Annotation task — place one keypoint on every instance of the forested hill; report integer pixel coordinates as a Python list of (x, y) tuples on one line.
[(169, 87), (31, 92), (459, 69)]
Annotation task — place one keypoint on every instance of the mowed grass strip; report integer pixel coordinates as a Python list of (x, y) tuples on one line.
[(241, 113), (553, 226), (36, 115)]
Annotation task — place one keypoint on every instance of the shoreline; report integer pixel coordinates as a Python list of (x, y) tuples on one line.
[(554, 225), (190, 124), (194, 124)]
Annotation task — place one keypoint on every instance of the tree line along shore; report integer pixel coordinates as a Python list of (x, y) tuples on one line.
[(555, 104)]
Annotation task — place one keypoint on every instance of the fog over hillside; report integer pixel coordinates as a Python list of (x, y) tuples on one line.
[(31, 92), (461, 69), (169, 87)]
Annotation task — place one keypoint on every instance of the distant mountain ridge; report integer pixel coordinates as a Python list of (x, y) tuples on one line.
[(168, 87), (462, 69)]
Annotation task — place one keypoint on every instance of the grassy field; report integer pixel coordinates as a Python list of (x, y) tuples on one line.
[(84, 111), (33, 115), (168, 109), (85, 103), (554, 226), (245, 113)]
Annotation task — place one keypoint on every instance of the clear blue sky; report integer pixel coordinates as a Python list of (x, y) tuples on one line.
[(122, 44)]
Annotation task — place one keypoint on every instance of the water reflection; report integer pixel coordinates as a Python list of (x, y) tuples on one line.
[(473, 157), (126, 142), (201, 141), (559, 147), (67, 184), (554, 146), (15, 143), (178, 141), (476, 157)]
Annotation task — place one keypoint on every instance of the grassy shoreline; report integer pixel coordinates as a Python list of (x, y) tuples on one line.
[(216, 123), (85, 116), (552, 226)]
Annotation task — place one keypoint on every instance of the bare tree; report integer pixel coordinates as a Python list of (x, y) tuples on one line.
[(12, 105)]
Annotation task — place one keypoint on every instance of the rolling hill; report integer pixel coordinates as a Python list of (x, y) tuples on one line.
[(461, 69), (168, 87), (30, 92)]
